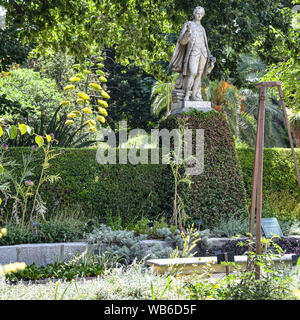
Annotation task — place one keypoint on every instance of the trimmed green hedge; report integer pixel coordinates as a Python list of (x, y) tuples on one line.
[(218, 192), (281, 193), (126, 193), (279, 172)]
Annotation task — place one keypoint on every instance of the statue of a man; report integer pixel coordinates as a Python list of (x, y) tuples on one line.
[(192, 58)]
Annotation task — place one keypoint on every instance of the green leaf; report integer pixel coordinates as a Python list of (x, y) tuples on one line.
[(39, 140), (1, 131), (1, 170), (48, 138), (12, 132)]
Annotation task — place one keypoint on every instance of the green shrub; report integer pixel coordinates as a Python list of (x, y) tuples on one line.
[(12, 50), (16, 234), (118, 191), (54, 230), (282, 205), (84, 265), (124, 194), (38, 97), (281, 196), (57, 66), (142, 227), (218, 192), (279, 172), (126, 245)]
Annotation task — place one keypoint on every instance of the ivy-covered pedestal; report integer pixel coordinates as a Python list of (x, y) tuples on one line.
[(218, 192)]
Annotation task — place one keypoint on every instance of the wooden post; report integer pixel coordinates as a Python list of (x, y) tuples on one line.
[(254, 179), (256, 198), (260, 165), (257, 181)]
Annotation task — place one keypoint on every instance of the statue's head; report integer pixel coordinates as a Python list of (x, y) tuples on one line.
[(198, 13)]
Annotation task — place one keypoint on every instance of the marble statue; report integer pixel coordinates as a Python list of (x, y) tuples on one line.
[(193, 61)]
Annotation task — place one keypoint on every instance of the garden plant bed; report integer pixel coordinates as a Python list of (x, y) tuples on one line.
[(290, 244), (47, 280), (47, 253)]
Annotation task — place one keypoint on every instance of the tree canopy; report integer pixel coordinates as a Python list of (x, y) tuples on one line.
[(145, 31)]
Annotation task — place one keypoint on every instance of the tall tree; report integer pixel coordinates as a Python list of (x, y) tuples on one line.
[(145, 30), (286, 67), (130, 91)]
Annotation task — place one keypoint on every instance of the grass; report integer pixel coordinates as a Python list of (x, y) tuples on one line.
[(132, 283)]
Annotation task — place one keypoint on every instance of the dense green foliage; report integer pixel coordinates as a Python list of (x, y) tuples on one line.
[(118, 192), (57, 271), (287, 72), (219, 190), (65, 230), (281, 196), (38, 97), (279, 172), (130, 89), (126, 193), (57, 66), (11, 48), (145, 31)]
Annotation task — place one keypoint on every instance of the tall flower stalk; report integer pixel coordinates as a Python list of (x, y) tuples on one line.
[(180, 177), (49, 154), (23, 188)]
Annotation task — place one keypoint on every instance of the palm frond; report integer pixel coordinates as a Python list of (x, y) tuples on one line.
[(250, 67)]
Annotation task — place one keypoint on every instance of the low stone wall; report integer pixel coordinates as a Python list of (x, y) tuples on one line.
[(41, 254), (47, 253)]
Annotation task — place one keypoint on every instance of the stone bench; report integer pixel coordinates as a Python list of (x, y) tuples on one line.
[(196, 265)]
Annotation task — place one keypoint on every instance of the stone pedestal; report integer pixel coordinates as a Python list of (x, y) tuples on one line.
[(186, 106), (179, 105)]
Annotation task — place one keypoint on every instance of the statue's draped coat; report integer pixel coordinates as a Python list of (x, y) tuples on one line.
[(181, 55)]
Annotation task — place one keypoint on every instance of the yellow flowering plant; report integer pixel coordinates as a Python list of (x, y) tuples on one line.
[(87, 94)]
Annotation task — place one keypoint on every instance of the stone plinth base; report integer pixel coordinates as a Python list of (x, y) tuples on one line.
[(186, 106)]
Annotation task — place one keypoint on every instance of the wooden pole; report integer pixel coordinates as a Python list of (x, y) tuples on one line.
[(262, 100), (257, 181), (254, 181)]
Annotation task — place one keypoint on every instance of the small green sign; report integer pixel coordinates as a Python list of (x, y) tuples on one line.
[(271, 227)]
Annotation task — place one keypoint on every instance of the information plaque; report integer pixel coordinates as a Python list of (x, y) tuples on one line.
[(271, 227)]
